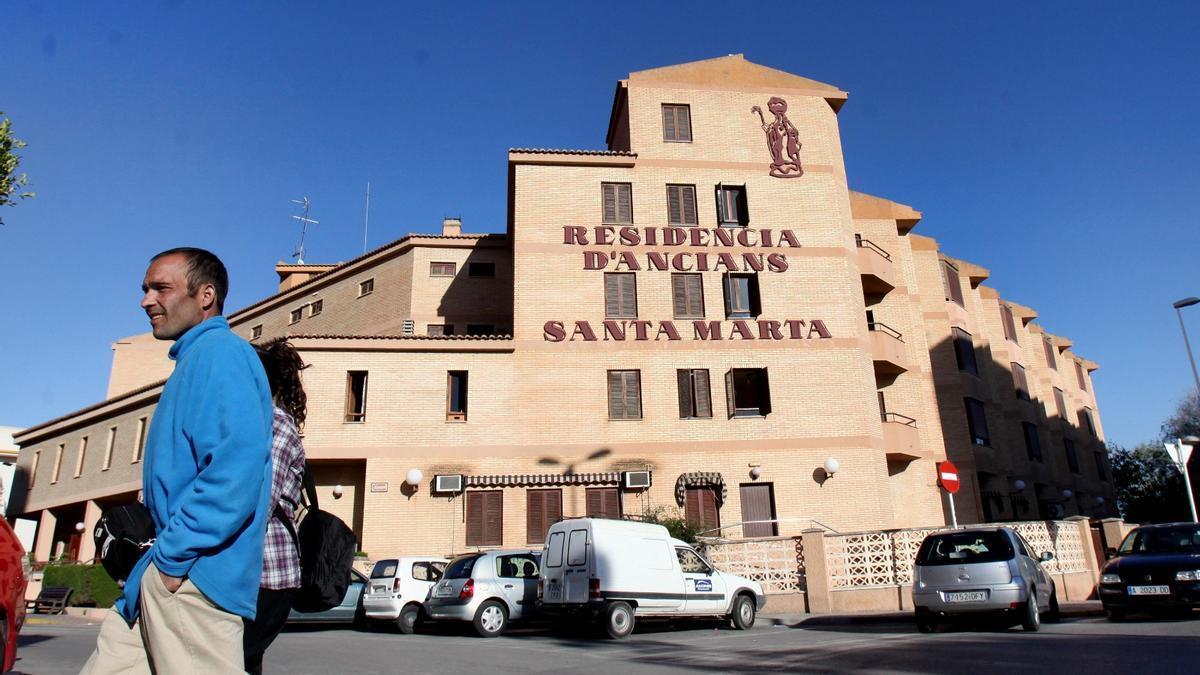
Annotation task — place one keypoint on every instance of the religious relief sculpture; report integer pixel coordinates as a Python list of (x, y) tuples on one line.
[(785, 161)]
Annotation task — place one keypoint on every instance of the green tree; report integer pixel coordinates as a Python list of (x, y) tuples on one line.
[(10, 181), (1185, 421), (1149, 487)]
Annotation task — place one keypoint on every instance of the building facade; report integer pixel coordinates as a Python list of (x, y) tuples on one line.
[(694, 321)]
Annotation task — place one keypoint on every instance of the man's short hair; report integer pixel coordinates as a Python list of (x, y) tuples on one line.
[(203, 268)]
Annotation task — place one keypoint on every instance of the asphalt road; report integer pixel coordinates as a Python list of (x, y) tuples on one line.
[(1076, 645)]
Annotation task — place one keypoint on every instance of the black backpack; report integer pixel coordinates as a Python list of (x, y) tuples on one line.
[(326, 546), (123, 534)]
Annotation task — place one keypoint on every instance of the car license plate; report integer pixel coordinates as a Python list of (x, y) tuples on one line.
[(967, 596), (1149, 590), (554, 592), (445, 591), (379, 589)]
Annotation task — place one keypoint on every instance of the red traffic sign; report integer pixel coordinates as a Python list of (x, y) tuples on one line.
[(948, 476)]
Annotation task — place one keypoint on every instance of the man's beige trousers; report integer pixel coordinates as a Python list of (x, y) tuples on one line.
[(180, 632)]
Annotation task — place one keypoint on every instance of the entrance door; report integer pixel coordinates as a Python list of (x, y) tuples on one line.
[(758, 504)]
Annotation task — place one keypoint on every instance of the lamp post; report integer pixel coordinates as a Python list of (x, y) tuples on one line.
[(1188, 302)]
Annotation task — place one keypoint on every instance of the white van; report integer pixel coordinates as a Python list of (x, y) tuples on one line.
[(618, 569)]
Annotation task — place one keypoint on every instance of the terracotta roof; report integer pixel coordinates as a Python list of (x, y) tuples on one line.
[(94, 406), (563, 151)]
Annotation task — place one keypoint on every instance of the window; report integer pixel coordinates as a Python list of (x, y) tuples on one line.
[(356, 396), (964, 351), (1072, 458), (687, 291), (747, 392), (108, 448), (758, 510), (485, 518), (681, 205), (1080, 376), (83, 443), (426, 571), (366, 287), (140, 443), (1048, 346), (700, 508), (295, 315), (677, 123), (577, 548), (554, 550), (256, 332), (543, 508), (481, 269), (58, 457), (695, 399), (441, 269), (439, 329), (1033, 444), (624, 395), (316, 307), (456, 395), (516, 566), (741, 296), (617, 201), (480, 329), (951, 283), (731, 206), (977, 422), (1100, 472), (604, 502), (37, 458), (1060, 403), (1010, 326), (1086, 421), (620, 295), (1020, 382)]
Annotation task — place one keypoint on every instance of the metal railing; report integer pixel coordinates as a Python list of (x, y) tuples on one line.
[(880, 327), (708, 534), (868, 244), (901, 419)]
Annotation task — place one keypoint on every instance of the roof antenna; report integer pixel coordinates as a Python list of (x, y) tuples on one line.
[(304, 202)]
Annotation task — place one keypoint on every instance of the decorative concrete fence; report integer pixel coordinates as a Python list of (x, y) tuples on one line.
[(823, 572)]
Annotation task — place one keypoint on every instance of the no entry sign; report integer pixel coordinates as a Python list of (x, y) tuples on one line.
[(948, 476)]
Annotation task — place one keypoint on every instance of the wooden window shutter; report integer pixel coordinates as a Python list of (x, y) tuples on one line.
[(617, 199), (553, 509), (692, 510), (475, 518), (679, 291), (730, 399), (493, 518), (535, 516), (612, 295), (633, 395), (702, 393), (616, 397), (603, 503), (683, 380), (668, 122), (689, 204), (609, 198), (674, 204), (710, 516), (628, 285), (683, 123), (620, 295)]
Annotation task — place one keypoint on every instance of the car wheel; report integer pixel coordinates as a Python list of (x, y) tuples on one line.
[(925, 621), (743, 613), (1031, 619), (491, 619), (1053, 613), (618, 620), (407, 622)]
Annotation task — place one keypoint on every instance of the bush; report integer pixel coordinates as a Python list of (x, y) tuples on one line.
[(675, 523), (92, 584)]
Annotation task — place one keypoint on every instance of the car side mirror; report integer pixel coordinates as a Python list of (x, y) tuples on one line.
[(1046, 556)]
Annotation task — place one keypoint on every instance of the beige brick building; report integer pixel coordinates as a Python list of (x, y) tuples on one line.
[(705, 306)]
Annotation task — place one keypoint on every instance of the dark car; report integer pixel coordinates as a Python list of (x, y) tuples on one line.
[(1157, 567), (349, 611)]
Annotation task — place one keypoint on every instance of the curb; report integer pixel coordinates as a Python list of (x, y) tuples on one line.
[(1072, 611)]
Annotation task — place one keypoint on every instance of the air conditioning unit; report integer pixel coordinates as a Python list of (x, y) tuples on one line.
[(451, 483), (635, 480)]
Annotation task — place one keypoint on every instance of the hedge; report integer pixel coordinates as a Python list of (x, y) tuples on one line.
[(92, 584)]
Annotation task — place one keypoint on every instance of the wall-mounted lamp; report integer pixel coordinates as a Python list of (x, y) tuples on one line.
[(755, 471), (1067, 494), (413, 477), (337, 491), (831, 467), (1019, 484), (79, 527)]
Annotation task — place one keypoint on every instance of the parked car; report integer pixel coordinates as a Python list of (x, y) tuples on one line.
[(349, 611), (488, 589), (14, 576), (1157, 567), (618, 570), (977, 571), (397, 588)]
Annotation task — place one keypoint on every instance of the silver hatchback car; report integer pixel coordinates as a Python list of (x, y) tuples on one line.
[(489, 589), (981, 570)]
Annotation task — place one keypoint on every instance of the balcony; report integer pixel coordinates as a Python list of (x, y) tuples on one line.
[(900, 438), (879, 275), (887, 349)]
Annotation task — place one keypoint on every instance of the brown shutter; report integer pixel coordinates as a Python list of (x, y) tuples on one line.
[(674, 204), (689, 204), (493, 518), (475, 518), (683, 380), (616, 397), (624, 203), (757, 504), (702, 393), (668, 122), (633, 395), (709, 513), (595, 502), (730, 401), (553, 510), (692, 511), (628, 285), (608, 193), (612, 295), (695, 295), (679, 294), (683, 123), (535, 516), (603, 503)]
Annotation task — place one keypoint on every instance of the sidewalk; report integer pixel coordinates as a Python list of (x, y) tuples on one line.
[(1066, 610)]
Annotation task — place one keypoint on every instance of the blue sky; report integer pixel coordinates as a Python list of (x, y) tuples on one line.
[(1053, 143)]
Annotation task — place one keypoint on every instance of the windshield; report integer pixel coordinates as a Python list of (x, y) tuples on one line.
[(1181, 539), (460, 568), (384, 568), (961, 548)]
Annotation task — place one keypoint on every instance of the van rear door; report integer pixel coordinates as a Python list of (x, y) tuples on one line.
[(577, 572)]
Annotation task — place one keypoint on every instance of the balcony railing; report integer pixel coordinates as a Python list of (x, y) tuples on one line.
[(897, 417), (868, 244), (886, 329)]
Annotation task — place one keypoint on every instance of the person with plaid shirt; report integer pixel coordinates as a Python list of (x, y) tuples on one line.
[(281, 558)]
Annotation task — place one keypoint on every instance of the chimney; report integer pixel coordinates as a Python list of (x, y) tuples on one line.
[(451, 227)]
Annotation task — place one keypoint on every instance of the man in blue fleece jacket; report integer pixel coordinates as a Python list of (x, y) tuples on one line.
[(206, 481)]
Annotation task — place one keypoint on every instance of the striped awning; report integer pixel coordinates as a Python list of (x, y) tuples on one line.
[(710, 479), (544, 479)]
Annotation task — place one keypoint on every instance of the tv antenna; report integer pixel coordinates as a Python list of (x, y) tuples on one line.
[(305, 221)]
